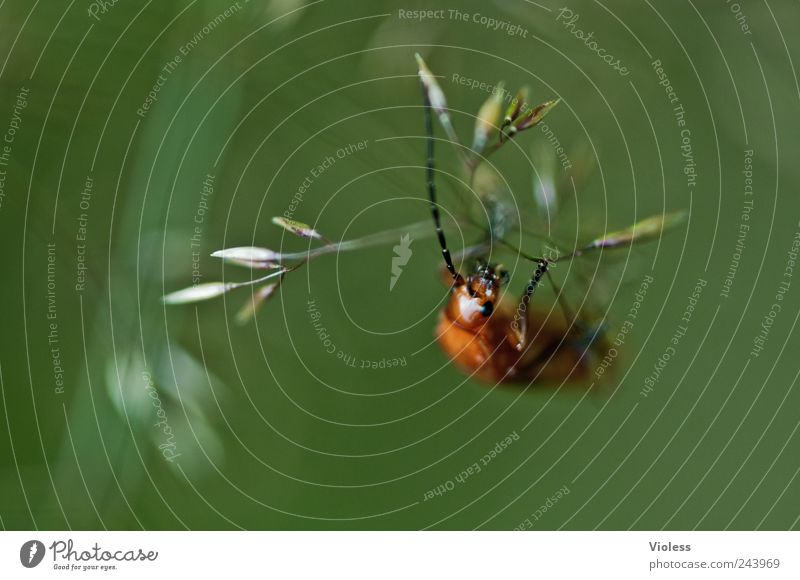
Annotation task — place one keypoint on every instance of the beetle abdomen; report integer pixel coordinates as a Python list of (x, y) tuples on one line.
[(552, 357)]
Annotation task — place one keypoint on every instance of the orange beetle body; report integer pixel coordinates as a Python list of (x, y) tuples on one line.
[(482, 335)]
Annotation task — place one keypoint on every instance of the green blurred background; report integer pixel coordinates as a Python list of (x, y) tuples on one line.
[(269, 430)]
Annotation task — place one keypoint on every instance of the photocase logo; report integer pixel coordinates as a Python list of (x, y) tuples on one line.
[(31, 553), (402, 254)]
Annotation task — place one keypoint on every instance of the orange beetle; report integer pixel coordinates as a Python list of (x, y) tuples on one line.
[(485, 336)]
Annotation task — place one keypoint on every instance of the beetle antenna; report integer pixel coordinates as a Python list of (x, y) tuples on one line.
[(431, 183), (521, 327), (541, 269)]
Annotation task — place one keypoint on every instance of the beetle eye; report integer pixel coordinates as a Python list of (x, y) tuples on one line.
[(487, 308)]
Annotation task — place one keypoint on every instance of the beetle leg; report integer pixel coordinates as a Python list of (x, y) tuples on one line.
[(571, 317)]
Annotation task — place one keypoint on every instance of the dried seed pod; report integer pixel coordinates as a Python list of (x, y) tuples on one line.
[(247, 254), (432, 88), (532, 117), (198, 293), (516, 107), (488, 119), (435, 96), (641, 231), (256, 301), (297, 228)]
